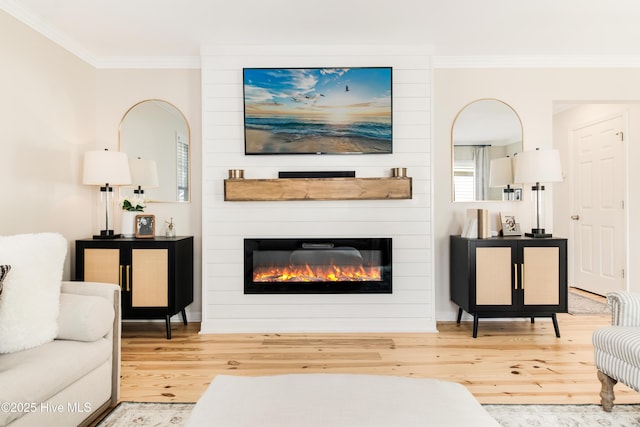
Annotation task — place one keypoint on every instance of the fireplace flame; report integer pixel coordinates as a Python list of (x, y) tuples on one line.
[(317, 273)]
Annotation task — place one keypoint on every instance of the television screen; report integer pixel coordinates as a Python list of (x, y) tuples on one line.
[(317, 110)]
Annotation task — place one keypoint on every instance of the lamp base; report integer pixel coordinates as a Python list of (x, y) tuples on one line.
[(538, 233), (107, 234)]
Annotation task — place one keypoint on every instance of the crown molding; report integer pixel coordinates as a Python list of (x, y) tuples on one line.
[(151, 62), (315, 49), (536, 61), (16, 10)]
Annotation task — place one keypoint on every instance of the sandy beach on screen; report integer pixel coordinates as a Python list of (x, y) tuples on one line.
[(262, 141)]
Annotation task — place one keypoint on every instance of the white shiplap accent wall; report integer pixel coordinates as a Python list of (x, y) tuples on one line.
[(225, 224)]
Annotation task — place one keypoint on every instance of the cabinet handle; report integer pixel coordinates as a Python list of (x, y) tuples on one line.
[(522, 278), (515, 275), (120, 278), (128, 284)]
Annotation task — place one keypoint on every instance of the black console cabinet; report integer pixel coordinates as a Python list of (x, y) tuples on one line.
[(155, 275), (509, 277)]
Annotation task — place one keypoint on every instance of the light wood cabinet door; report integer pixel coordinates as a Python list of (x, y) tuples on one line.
[(540, 275), (102, 265), (149, 276), (493, 276)]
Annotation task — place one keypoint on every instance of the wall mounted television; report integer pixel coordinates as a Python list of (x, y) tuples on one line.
[(318, 110)]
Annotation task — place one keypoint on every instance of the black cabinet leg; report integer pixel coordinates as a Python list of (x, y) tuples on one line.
[(459, 316), (167, 322), (555, 324), (184, 317), (475, 325), (533, 319)]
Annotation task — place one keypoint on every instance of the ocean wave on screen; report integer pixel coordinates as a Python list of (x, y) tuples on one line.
[(304, 128)]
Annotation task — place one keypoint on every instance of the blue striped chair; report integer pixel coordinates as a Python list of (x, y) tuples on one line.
[(617, 347)]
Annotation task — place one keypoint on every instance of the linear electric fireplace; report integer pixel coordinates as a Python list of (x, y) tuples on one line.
[(317, 266)]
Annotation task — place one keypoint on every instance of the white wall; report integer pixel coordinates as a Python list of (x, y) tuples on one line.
[(225, 224), (531, 92), (47, 105)]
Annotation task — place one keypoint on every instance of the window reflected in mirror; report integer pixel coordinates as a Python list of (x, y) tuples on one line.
[(483, 131)]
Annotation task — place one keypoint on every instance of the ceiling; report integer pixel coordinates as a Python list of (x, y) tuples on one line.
[(101, 30)]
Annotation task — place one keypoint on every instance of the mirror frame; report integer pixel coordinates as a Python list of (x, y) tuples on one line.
[(124, 116), (452, 147)]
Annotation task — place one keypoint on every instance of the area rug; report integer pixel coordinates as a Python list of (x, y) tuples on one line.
[(581, 305), (564, 415), (128, 414)]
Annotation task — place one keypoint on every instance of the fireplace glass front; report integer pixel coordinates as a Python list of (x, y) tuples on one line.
[(300, 266)]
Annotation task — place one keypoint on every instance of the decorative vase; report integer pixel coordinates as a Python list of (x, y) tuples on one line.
[(170, 231), (128, 226)]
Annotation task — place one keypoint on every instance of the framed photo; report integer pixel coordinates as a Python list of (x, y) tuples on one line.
[(318, 110), (517, 192), (145, 226), (509, 225)]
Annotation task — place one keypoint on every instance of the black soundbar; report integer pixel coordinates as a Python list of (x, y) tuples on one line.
[(318, 174)]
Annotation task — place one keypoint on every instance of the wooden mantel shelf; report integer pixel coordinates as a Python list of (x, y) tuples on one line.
[(317, 189)]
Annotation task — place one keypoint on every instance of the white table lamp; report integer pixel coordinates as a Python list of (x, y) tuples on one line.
[(106, 169), (538, 166)]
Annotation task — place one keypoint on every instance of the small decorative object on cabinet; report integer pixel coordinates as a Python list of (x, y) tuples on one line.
[(129, 212), (170, 231), (509, 225), (509, 277), (145, 226), (155, 275)]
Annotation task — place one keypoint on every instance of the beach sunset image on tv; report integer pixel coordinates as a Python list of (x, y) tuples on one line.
[(317, 110)]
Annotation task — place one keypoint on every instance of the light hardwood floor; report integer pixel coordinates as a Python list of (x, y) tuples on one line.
[(509, 362)]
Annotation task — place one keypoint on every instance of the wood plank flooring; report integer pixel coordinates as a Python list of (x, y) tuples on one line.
[(510, 362)]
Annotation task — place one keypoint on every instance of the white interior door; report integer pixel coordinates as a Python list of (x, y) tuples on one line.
[(599, 221)]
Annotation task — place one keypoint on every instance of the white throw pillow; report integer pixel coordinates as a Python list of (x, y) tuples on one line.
[(30, 300), (84, 317)]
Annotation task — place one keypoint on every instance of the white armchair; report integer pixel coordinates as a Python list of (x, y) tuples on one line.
[(617, 347)]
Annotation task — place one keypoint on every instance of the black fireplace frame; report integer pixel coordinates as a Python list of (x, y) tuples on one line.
[(383, 244)]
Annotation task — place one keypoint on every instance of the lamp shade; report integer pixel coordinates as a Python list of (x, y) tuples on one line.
[(144, 173), (106, 167), (501, 172), (538, 166)]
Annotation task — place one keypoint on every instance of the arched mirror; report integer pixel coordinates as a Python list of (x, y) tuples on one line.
[(156, 132), (484, 133)]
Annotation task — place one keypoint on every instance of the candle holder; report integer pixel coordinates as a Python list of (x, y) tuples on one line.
[(236, 173), (399, 172)]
